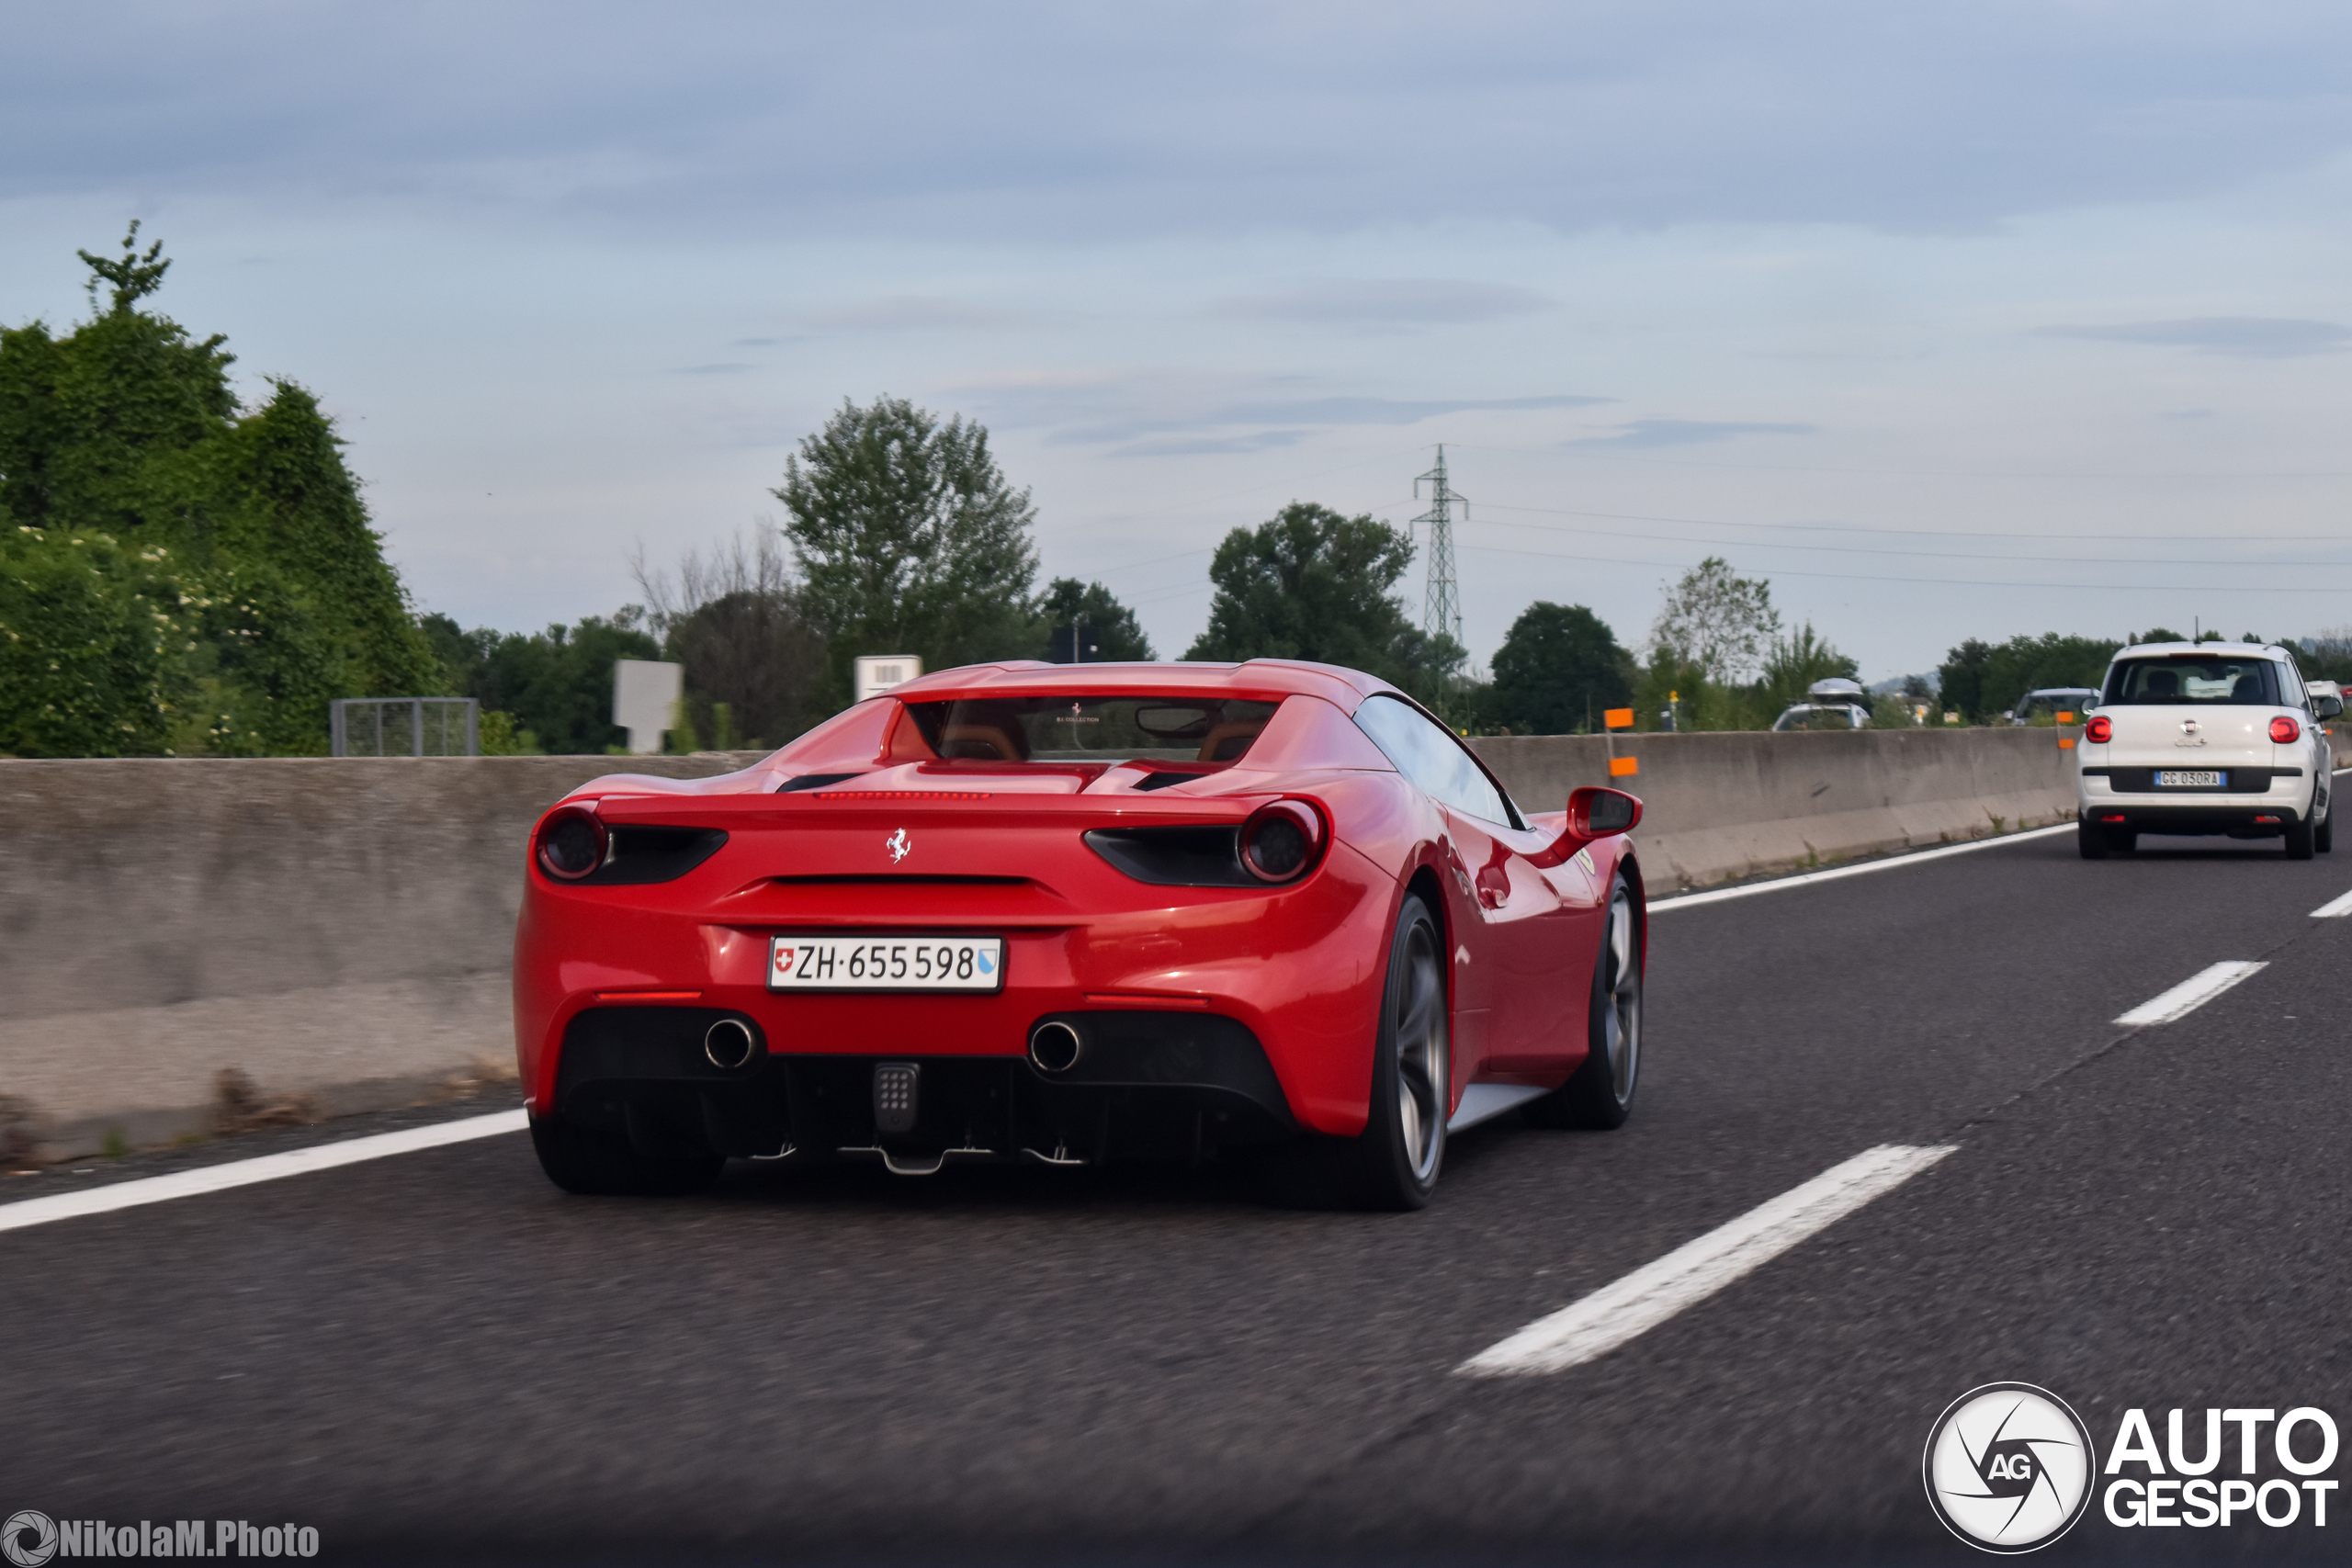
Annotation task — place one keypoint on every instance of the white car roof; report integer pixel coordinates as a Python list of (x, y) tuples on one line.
[(2271, 651)]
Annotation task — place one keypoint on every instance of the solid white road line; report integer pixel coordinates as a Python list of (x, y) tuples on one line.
[(1692, 1272), (2334, 908), (2192, 993), (245, 1172), (1717, 894)]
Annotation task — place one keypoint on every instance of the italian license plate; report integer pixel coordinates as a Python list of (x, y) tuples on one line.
[(2172, 778), (885, 964)]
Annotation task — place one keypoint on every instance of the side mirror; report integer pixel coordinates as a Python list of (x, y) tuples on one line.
[(2327, 707), (1595, 813)]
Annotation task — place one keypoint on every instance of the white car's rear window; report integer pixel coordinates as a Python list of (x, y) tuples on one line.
[(2187, 679)]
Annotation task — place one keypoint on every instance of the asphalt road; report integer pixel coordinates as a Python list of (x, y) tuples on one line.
[(440, 1356)]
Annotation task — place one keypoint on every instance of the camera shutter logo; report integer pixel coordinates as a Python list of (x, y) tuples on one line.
[(29, 1539), (2009, 1467)]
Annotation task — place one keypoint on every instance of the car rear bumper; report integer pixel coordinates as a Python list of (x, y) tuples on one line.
[(1177, 1085), (2240, 818), (2127, 798)]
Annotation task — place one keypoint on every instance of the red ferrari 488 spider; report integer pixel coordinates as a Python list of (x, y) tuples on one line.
[(1058, 913)]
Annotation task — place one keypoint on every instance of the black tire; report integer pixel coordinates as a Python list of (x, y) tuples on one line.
[(2300, 840), (2324, 836), (598, 1164), (2090, 839), (1394, 1163), (1599, 1094)]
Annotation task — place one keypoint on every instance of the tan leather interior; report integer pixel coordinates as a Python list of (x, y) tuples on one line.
[(1230, 739), (986, 742)]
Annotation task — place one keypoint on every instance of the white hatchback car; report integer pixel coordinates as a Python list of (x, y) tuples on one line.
[(2205, 737)]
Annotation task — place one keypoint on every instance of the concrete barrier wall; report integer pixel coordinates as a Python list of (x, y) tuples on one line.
[(1724, 805), (1719, 807), (338, 932)]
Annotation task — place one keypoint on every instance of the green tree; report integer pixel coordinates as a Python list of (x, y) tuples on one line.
[(556, 686), (1312, 584), (1981, 680), (1558, 669), (755, 665), (1719, 621), (909, 540), (126, 428), (1107, 630), (92, 640), (1793, 664)]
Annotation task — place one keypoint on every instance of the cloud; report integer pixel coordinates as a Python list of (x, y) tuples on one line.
[(757, 341), (727, 367), (1684, 432), (1391, 303), (1034, 118), (2245, 337), (918, 313), (1210, 446), (1283, 415)]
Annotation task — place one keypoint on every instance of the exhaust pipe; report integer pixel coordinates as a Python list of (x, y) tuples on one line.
[(729, 1043), (1054, 1046)]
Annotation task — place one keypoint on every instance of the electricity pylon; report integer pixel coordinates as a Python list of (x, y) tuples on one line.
[(1441, 611)]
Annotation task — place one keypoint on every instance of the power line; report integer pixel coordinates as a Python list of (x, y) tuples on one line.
[(1599, 451), (1930, 581), (1920, 533), (1928, 555)]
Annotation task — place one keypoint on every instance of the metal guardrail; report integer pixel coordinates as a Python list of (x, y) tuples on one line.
[(404, 727)]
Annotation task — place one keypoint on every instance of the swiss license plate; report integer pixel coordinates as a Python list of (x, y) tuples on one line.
[(2173, 778), (885, 964)]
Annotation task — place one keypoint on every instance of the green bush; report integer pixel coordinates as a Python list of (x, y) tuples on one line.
[(134, 486), (94, 640)]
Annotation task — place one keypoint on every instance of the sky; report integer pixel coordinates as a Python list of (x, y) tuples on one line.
[(1952, 320)]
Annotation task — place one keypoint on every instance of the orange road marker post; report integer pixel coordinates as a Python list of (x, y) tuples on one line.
[(2065, 742), (1613, 721)]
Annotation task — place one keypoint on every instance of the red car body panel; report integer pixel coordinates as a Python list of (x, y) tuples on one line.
[(1301, 965)]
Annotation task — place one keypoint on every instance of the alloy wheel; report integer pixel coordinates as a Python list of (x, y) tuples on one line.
[(1622, 1023), (1423, 1049)]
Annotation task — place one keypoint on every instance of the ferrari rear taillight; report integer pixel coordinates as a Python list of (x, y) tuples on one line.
[(2099, 730), (1281, 840), (2285, 731), (572, 844)]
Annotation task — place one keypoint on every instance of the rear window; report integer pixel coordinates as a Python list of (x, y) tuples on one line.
[(2190, 678), (1810, 716), (1077, 728)]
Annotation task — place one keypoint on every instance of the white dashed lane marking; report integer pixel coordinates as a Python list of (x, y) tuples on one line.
[(245, 1172), (1806, 879), (2192, 993), (1649, 1295), (2334, 908)]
